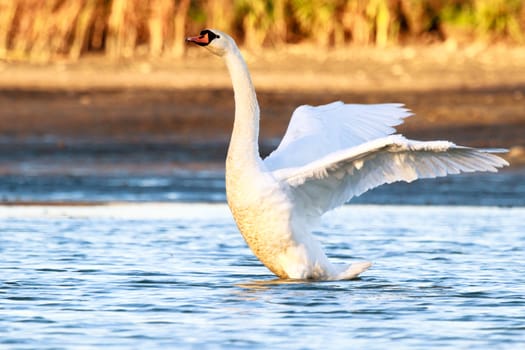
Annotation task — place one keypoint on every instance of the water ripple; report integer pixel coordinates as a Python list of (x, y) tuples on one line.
[(137, 277)]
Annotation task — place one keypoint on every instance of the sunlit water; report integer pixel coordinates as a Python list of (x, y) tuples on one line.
[(150, 276)]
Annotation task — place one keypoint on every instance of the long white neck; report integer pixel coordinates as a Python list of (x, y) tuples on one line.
[(244, 149)]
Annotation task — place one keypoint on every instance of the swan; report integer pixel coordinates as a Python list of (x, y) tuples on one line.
[(328, 155)]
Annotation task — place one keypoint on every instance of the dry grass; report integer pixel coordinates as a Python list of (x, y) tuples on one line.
[(46, 30)]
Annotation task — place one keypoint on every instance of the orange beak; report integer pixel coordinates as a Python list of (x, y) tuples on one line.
[(201, 40)]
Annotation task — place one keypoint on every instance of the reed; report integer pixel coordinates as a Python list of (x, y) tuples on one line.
[(486, 20), (47, 30)]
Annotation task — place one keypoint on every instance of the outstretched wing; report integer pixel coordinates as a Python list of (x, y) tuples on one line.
[(333, 180), (315, 132)]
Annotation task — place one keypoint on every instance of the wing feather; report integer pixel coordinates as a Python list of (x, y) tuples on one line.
[(315, 132), (333, 180)]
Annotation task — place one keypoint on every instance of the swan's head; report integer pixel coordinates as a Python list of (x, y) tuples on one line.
[(214, 40)]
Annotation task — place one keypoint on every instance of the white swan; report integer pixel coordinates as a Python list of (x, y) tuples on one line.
[(328, 155)]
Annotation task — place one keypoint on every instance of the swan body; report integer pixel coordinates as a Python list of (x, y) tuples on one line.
[(328, 155)]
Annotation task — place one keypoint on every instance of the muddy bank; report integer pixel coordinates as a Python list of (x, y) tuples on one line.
[(482, 117)]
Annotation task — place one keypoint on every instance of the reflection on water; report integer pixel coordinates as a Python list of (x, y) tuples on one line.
[(180, 276)]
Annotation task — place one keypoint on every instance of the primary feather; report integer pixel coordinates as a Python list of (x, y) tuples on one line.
[(329, 182)]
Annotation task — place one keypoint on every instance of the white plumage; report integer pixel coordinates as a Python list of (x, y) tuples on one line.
[(328, 155)]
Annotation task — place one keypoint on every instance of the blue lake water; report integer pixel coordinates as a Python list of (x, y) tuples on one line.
[(179, 275)]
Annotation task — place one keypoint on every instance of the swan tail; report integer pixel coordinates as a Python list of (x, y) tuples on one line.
[(354, 270)]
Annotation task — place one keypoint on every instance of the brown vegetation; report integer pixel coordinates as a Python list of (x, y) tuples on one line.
[(44, 30)]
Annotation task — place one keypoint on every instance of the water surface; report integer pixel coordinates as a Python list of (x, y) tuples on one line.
[(149, 276)]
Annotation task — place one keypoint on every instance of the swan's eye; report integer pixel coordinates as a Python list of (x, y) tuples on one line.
[(218, 36), (211, 35)]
